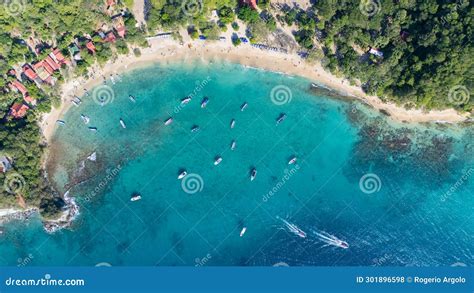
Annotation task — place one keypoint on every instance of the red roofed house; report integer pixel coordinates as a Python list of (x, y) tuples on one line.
[(29, 100), (90, 46), (110, 37), (251, 3), (44, 71), (121, 31), (29, 72), (18, 110), (18, 87), (58, 57)]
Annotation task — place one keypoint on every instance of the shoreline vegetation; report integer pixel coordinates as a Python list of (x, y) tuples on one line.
[(381, 53)]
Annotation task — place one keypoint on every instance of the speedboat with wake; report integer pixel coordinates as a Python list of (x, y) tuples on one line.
[(217, 161), (244, 106), (85, 119), (281, 118), (293, 228), (204, 102), (331, 239), (182, 174), (253, 174)]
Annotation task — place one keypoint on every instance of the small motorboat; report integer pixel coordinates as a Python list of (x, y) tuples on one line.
[(292, 161), (61, 122), (232, 123), (342, 244), (253, 174), (76, 101), (132, 98), (85, 119), (281, 118), (93, 129), (244, 105), (92, 157), (232, 145), (242, 232), (182, 174), (204, 102), (195, 128), (122, 123), (86, 92), (135, 196), (186, 100), (168, 121), (218, 160)]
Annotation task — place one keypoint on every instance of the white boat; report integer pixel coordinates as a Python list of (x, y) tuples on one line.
[(195, 128), (182, 174), (168, 121), (76, 102), (232, 145), (292, 161), (244, 105), (244, 229), (60, 122), (135, 196), (204, 102), (186, 100), (122, 123), (253, 174), (92, 157), (132, 98), (293, 228), (93, 129), (218, 160), (232, 123), (85, 119)]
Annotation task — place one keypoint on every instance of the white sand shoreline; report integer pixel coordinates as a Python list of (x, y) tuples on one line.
[(167, 50)]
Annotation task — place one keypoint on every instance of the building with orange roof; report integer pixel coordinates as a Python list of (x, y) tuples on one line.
[(90, 46), (18, 110), (30, 73), (251, 3), (18, 87)]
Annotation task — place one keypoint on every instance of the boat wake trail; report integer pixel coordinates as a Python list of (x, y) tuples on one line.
[(330, 239), (293, 228)]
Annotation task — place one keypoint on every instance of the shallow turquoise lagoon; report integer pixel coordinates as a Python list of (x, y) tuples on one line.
[(397, 194)]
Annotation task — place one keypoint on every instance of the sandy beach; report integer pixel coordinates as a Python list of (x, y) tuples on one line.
[(168, 50)]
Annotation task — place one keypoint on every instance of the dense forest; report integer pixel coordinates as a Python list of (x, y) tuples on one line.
[(417, 53)]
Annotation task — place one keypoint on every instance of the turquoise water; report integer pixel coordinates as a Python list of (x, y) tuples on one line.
[(406, 218)]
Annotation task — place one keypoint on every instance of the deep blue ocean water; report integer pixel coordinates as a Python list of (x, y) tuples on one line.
[(398, 194)]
